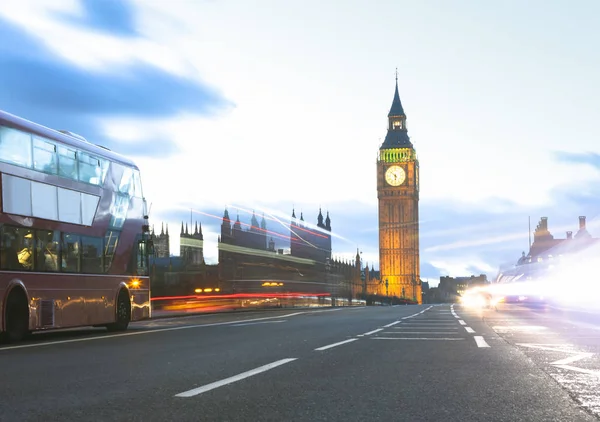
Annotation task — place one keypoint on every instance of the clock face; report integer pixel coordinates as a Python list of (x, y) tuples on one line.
[(395, 175)]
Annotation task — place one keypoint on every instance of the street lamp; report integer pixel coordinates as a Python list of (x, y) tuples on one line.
[(386, 287)]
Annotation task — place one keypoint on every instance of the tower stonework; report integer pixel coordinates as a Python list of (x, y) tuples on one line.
[(398, 199)]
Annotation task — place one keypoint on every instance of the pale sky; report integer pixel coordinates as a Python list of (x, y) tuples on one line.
[(501, 102)]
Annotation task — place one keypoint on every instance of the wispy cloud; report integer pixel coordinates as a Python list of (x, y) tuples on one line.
[(589, 158), (115, 17), (43, 87)]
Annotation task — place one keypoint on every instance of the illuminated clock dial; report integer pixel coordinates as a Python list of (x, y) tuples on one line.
[(395, 175)]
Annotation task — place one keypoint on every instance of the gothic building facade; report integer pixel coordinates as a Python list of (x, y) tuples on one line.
[(311, 243), (255, 236), (162, 248), (191, 245), (249, 253)]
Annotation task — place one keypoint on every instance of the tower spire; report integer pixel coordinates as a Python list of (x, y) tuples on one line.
[(320, 219), (263, 223), (396, 109), (397, 135)]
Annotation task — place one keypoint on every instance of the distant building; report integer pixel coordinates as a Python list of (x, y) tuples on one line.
[(191, 245), (255, 237), (161, 241), (546, 251), (451, 289), (545, 246), (311, 243), (250, 254)]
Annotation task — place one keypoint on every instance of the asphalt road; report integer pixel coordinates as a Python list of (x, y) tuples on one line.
[(404, 363)]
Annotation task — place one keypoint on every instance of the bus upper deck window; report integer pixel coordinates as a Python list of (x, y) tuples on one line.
[(126, 185), (44, 156), (67, 163), (137, 184), (104, 169), (89, 169), (15, 147)]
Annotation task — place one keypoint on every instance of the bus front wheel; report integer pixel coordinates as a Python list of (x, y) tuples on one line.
[(16, 316), (123, 312)]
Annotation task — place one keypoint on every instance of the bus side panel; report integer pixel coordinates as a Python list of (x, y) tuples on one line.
[(140, 300), (77, 299)]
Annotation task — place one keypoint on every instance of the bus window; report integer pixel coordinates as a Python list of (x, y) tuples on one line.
[(70, 253), (103, 169), (67, 164), (142, 259), (44, 156), (44, 201), (89, 204), (110, 242), (15, 146), (16, 195), (137, 184), (69, 206), (126, 185), (89, 169), (115, 175), (91, 255), (47, 250), (119, 210), (17, 248)]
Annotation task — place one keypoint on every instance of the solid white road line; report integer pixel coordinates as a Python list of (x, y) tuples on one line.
[(480, 341), (572, 359), (373, 332), (329, 346), (469, 330), (582, 370), (256, 323), (137, 333), (239, 377), (420, 332), (427, 327), (327, 310), (392, 323), (415, 338), (461, 322)]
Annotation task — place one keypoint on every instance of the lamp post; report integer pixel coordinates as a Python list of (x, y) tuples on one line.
[(415, 283), (387, 284)]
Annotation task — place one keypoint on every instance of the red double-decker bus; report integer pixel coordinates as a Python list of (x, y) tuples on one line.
[(74, 238)]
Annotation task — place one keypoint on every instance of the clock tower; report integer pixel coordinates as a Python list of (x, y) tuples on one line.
[(398, 195)]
